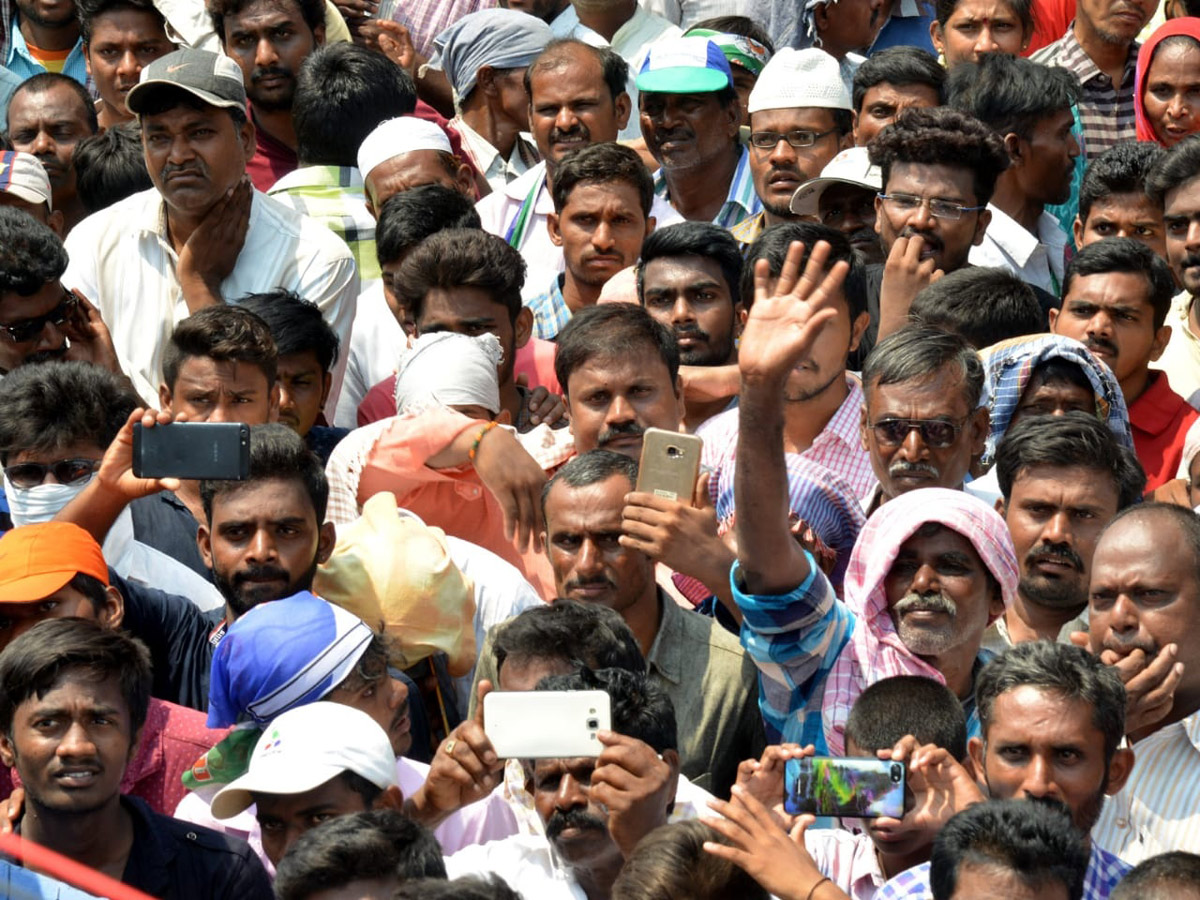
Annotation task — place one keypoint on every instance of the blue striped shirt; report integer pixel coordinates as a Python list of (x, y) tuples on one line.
[(740, 203)]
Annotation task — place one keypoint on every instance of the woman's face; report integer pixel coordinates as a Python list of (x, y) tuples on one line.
[(977, 27), (1171, 94)]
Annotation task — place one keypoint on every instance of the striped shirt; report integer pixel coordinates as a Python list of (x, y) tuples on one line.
[(1105, 111), (740, 203), (1158, 810), (550, 311), (1104, 871), (426, 19)]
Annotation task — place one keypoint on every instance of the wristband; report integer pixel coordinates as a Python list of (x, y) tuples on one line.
[(813, 889), (479, 437)]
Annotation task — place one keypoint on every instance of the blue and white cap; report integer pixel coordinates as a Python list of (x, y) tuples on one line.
[(684, 65)]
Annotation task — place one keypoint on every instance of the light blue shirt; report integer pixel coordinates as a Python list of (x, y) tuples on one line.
[(22, 64)]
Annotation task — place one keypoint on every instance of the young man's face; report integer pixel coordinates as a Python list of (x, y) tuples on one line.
[(34, 337), (65, 603), (882, 102), (269, 40), (472, 311), (689, 295), (571, 107), (124, 41), (71, 745), (303, 389), (948, 241), (283, 818), (1133, 216), (780, 169), (1181, 221), (210, 390), (600, 229), (385, 699), (614, 400), (264, 542)]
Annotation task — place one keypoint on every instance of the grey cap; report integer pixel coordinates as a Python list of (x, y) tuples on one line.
[(211, 77)]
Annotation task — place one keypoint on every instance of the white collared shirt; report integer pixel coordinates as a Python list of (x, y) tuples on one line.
[(376, 342), (123, 261), (1036, 259), (1181, 359), (497, 170)]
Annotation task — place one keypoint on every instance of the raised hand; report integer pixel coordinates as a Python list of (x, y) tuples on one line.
[(635, 785)]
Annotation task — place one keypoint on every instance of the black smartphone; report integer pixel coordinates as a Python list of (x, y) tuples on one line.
[(848, 788), (219, 450)]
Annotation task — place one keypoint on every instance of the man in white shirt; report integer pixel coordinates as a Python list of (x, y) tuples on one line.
[(1029, 106), (202, 236)]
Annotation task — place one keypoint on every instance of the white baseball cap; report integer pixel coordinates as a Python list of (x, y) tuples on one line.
[(851, 166), (404, 134), (796, 79), (304, 748), (22, 175)]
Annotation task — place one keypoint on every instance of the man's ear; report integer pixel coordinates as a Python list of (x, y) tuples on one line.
[(273, 403), (485, 80), (523, 327), (1160, 342), (464, 181), (854, 125), (671, 758), (1051, 318), (1119, 770), (319, 35), (326, 540), (974, 762), (57, 222), (246, 134), (980, 425), (985, 219), (326, 385), (204, 543), (1077, 232), (113, 612), (164, 398), (553, 226), (391, 798), (623, 106), (1013, 146), (8, 753), (1001, 509), (858, 329), (863, 429)]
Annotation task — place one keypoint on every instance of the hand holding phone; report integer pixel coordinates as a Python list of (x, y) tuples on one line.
[(194, 450), (670, 464), (847, 788)]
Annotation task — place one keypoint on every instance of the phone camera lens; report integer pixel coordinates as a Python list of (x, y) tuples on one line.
[(897, 773), (593, 724), (674, 452)]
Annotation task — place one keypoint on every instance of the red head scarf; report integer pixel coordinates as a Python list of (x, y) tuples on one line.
[(1185, 25)]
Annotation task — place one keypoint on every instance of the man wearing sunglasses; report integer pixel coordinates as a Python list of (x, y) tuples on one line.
[(800, 118)]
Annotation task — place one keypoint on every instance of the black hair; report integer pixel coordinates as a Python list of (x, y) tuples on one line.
[(37, 660), (343, 92), (613, 68), (110, 166), (1023, 9), (670, 862), (91, 587), (1175, 168), (740, 25), (31, 255), (296, 325), (916, 353), (276, 452), (1119, 254), (377, 844), (1189, 525), (1010, 94), (86, 12), (899, 66), (1074, 439), (894, 707), (582, 634), (47, 406), (591, 468), (164, 98), (616, 331), (1122, 169), (941, 136), (1068, 672), (701, 239), (312, 11), (772, 245), (462, 257), (640, 708), (470, 887), (407, 218), (48, 81), (985, 305), (1031, 840), (222, 333), (602, 163), (1160, 877)]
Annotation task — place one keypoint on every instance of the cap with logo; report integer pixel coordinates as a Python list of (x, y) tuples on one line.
[(37, 560), (797, 79), (684, 65), (851, 166), (211, 77), (304, 748), (744, 52), (22, 175)]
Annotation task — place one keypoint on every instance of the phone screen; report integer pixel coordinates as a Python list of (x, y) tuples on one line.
[(849, 788)]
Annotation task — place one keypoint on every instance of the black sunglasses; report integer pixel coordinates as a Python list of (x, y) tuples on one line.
[(936, 433), (28, 329), (65, 471)]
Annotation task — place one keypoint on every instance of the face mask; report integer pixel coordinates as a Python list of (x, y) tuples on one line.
[(39, 504)]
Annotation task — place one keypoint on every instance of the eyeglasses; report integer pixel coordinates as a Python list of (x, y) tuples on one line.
[(28, 329), (939, 209), (937, 434), (769, 140), (65, 471)]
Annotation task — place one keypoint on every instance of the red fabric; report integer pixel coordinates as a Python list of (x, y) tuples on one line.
[(1160, 419), (1051, 19), (535, 360), (173, 738), (1171, 28)]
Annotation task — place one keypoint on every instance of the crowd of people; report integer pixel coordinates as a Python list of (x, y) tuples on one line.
[(920, 277)]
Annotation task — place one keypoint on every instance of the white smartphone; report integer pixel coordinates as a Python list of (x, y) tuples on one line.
[(546, 724)]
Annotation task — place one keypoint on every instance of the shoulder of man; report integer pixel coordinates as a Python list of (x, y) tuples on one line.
[(276, 219)]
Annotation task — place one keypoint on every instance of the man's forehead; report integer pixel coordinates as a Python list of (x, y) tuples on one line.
[(82, 686), (263, 498), (681, 271), (1183, 200), (934, 537), (637, 365), (59, 102), (581, 502)]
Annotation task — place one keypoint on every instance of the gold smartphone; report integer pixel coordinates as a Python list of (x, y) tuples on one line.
[(670, 464)]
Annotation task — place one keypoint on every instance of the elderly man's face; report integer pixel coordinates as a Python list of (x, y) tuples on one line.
[(195, 155), (922, 433), (940, 595), (577, 827)]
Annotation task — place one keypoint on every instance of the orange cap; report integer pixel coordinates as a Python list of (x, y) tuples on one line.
[(37, 560)]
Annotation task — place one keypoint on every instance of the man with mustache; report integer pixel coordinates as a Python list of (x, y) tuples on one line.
[(690, 115), (1116, 296), (800, 117), (1053, 719), (1063, 478), (602, 199), (1145, 594), (1030, 107), (929, 571), (708, 677)]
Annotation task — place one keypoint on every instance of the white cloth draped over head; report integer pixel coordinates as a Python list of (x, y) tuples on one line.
[(500, 38), (448, 369)]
